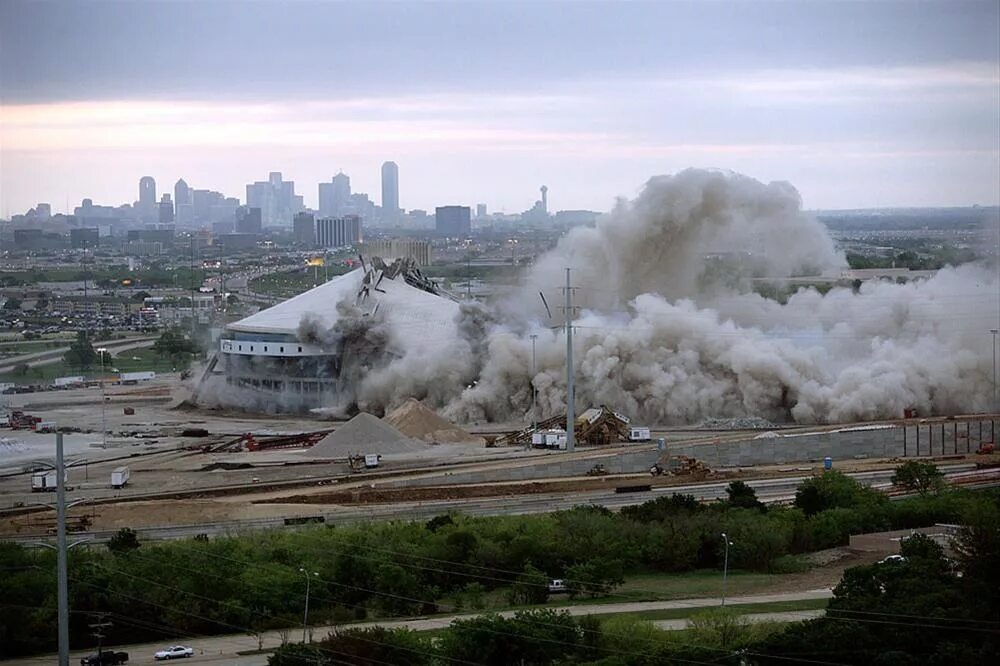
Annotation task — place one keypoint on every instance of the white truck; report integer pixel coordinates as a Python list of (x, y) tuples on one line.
[(371, 460), (136, 377), (46, 426), (119, 477), (638, 434), (67, 382), (46, 481)]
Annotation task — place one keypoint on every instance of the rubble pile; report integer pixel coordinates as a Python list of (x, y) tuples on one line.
[(415, 419), (739, 423), (362, 435)]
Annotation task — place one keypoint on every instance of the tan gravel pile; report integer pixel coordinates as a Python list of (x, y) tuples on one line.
[(362, 435), (415, 419)]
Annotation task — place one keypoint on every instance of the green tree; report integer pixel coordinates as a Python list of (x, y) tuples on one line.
[(742, 496), (174, 344), (833, 489), (21, 369), (123, 541), (531, 587), (921, 546), (918, 476), (81, 353), (12, 304), (595, 577), (534, 637)]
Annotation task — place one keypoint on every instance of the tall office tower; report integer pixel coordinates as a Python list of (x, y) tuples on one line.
[(335, 196), (148, 211), (480, 210), (276, 199), (304, 229), (453, 221), (338, 231), (390, 192), (183, 203), (166, 210)]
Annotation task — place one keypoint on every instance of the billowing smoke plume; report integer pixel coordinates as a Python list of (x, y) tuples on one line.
[(672, 333)]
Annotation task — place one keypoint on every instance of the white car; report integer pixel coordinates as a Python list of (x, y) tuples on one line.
[(174, 652)]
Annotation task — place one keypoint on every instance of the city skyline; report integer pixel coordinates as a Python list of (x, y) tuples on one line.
[(857, 105)]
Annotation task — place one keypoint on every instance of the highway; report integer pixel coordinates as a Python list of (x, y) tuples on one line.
[(55, 355), (768, 490), (227, 649)]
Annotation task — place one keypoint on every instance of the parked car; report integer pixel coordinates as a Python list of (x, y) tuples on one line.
[(105, 658), (893, 559), (174, 652)]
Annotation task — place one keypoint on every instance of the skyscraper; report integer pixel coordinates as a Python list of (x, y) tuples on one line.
[(338, 231), (147, 205), (183, 203), (390, 192), (276, 199), (147, 191), (304, 229), (335, 196)]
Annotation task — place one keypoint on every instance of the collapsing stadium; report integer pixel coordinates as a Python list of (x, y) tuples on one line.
[(308, 351)]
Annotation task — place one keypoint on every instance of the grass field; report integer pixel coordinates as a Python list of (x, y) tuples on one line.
[(133, 360), (747, 609), (292, 283)]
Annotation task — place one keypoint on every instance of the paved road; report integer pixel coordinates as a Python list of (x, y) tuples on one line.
[(225, 649)]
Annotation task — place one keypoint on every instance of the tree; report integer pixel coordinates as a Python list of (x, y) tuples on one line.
[(921, 546), (743, 496), (21, 369), (539, 636), (595, 577), (918, 476), (977, 551), (531, 587), (833, 489), (81, 352), (174, 344), (123, 541), (12, 304)]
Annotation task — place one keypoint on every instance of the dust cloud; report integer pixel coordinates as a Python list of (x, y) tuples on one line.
[(671, 331)]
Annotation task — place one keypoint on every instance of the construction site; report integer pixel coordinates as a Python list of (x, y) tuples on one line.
[(190, 471)]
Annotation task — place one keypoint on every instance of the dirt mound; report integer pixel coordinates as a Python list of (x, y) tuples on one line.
[(415, 419), (362, 435)]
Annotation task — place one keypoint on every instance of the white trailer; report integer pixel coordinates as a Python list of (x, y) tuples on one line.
[(45, 426), (119, 477), (136, 377), (371, 460), (66, 382), (45, 482), (638, 434)]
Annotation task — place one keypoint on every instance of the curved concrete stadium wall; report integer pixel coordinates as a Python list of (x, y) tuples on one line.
[(946, 437)]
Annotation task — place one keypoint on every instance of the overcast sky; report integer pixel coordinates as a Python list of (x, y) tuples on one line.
[(856, 104)]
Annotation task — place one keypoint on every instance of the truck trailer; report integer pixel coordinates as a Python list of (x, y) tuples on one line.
[(119, 477)]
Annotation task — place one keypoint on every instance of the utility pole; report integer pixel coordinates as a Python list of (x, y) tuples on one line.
[(996, 394), (104, 423), (61, 548), (570, 416), (468, 277), (97, 629), (61, 574), (305, 616), (534, 392)]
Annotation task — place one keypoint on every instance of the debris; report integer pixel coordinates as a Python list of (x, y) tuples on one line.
[(740, 423), (415, 419), (596, 426), (365, 434)]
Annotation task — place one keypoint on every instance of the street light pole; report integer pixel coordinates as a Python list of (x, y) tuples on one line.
[(725, 564), (62, 577), (305, 616), (104, 423), (996, 394)]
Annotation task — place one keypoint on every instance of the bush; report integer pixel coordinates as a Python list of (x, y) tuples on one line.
[(918, 476)]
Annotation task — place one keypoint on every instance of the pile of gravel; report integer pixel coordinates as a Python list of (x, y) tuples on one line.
[(415, 419), (739, 423), (362, 435)]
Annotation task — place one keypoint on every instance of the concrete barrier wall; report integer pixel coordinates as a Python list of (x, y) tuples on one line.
[(896, 441), (552, 466)]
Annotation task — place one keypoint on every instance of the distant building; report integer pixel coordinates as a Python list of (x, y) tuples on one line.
[(399, 248), (338, 231), (88, 237), (390, 192), (163, 236), (147, 199), (453, 221), (335, 196), (142, 248), (166, 210), (237, 242), (481, 210), (183, 203), (248, 221), (304, 229), (573, 218), (276, 200)]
